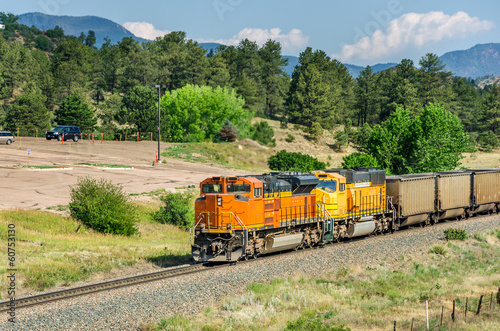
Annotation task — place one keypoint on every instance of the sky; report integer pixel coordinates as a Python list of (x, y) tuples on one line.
[(360, 32)]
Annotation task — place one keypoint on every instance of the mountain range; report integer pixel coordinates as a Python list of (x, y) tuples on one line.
[(480, 60)]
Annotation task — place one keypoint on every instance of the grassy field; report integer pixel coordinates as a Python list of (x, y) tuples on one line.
[(369, 298), (49, 251)]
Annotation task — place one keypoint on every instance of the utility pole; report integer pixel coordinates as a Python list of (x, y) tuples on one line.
[(159, 87)]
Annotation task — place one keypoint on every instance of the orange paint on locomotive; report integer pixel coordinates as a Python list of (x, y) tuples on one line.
[(237, 202)]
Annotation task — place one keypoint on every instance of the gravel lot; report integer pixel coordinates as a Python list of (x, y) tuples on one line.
[(40, 188), (127, 308)]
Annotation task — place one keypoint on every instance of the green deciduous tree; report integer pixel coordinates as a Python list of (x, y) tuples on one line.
[(197, 113), (74, 110), (431, 141), (357, 160), (290, 161)]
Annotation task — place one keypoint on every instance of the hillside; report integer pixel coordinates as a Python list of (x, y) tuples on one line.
[(75, 25), (480, 60)]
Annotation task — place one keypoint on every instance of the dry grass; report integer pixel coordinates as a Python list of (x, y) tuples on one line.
[(49, 253), (369, 298)]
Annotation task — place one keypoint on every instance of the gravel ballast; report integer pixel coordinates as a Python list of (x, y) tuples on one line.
[(127, 308)]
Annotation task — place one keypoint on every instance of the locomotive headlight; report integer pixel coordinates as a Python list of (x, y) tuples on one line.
[(219, 201)]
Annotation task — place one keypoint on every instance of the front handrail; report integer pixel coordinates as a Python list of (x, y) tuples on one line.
[(220, 216)]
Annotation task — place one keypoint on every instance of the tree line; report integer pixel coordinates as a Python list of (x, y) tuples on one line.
[(43, 74)]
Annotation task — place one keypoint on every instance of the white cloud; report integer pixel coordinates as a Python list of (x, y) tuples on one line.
[(292, 41), (413, 30), (145, 30)]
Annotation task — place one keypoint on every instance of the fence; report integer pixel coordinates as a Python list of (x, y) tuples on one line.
[(120, 135), (461, 311)]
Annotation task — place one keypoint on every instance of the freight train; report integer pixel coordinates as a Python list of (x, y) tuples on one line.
[(249, 216)]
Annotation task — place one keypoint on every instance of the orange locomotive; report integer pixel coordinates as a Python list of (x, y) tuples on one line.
[(242, 217)]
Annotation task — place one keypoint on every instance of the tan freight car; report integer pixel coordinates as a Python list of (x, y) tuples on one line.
[(486, 189), (453, 194), (413, 197)]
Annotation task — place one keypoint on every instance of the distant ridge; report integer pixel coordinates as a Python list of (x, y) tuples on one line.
[(75, 25), (480, 60)]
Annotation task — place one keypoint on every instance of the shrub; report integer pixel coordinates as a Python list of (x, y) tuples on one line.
[(455, 234), (356, 160), (479, 236), (438, 250), (290, 138), (263, 133), (311, 322), (177, 209), (227, 133), (102, 206), (289, 161)]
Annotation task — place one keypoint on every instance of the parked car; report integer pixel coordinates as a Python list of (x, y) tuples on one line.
[(7, 137), (68, 131)]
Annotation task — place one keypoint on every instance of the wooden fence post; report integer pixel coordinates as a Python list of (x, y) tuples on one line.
[(453, 313), (411, 324), (394, 325), (491, 300), (466, 304), (442, 311), (479, 305), (498, 296)]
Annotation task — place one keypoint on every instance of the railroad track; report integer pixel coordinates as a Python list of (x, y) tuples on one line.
[(170, 273), (105, 286)]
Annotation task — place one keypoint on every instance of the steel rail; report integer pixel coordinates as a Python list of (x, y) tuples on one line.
[(104, 286)]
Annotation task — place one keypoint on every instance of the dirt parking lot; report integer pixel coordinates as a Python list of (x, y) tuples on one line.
[(23, 188)]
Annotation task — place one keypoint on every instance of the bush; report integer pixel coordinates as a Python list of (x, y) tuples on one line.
[(102, 206), (438, 250), (356, 160), (310, 322), (227, 133), (289, 161), (263, 133), (455, 234), (290, 138), (177, 209)]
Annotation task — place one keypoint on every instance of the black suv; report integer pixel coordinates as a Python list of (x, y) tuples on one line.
[(69, 132)]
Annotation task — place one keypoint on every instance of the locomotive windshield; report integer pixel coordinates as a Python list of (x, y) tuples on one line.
[(238, 188), (211, 188), (331, 184)]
